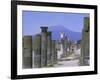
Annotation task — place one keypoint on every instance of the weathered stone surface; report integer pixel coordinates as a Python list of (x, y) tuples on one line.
[(27, 41), (44, 46), (36, 52), (27, 52), (54, 52), (85, 53), (49, 48)]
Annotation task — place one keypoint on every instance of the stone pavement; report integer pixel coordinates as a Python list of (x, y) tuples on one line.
[(68, 63), (72, 60)]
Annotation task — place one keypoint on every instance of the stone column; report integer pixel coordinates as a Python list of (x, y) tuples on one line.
[(27, 52), (58, 50), (54, 52), (49, 50), (44, 46), (36, 53), (85, 53), (66, 46)]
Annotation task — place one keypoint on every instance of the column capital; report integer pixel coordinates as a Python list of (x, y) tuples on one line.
[(44, 28)]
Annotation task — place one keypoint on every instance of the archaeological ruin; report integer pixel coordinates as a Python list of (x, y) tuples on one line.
[(41, 50)]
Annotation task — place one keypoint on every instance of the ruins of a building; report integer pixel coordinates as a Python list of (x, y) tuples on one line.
[(40, 50), (65, 46)]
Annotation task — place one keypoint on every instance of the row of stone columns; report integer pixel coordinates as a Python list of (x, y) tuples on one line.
[(40, 50)]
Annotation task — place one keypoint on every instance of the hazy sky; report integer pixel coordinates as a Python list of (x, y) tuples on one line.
[(32, 21)]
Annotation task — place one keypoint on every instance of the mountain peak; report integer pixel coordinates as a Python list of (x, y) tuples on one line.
[(56, 31)]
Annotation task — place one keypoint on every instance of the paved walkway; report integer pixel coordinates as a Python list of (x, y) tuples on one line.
[(72, 60), (66, 63)]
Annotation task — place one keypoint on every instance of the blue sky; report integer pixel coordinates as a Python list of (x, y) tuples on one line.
[(32, 21)]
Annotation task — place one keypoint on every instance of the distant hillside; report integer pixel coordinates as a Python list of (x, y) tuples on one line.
[(56, 30)]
